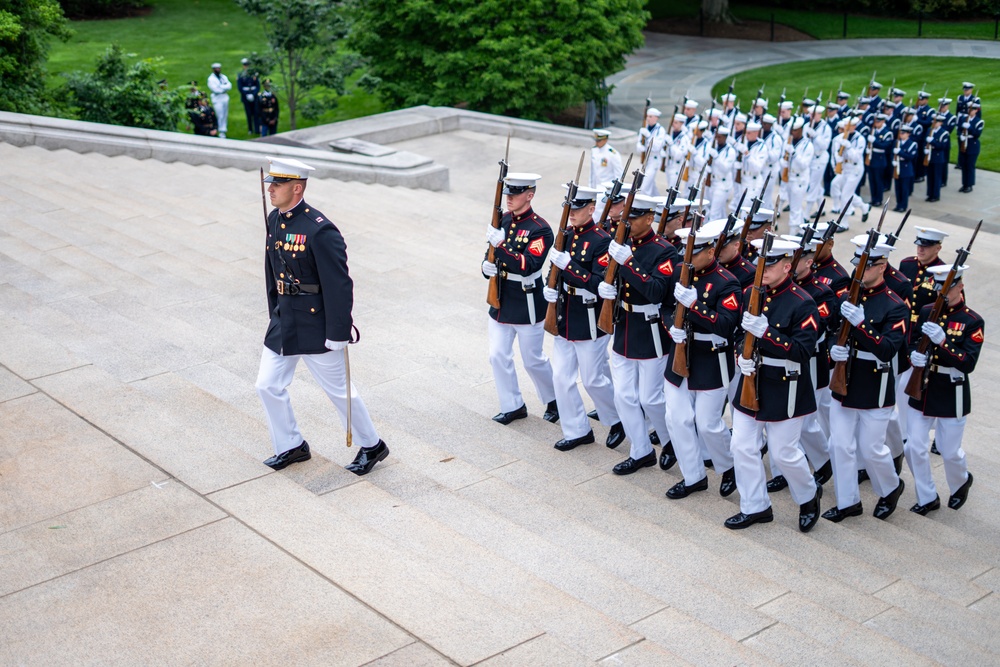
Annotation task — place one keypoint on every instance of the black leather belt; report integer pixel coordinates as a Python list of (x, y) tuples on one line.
[(291, 289)]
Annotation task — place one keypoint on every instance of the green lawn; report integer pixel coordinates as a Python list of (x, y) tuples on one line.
[(910, 74), (831, 25), (189, 35)]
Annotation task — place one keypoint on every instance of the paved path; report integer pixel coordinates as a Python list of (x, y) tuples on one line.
[(670, 66)]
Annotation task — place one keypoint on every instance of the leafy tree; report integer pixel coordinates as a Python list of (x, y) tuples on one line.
[(26, 29), (122, 93), (306, 40), (527, 59)]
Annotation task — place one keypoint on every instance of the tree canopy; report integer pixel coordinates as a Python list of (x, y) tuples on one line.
[(528, 59), (26, 29)]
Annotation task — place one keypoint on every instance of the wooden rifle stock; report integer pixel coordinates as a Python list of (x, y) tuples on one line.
[(748, 395), (838, 381), (895, 162), (493, 291), (917, 382), (680, 349), (788, 156), (606, 321), (551, 324)]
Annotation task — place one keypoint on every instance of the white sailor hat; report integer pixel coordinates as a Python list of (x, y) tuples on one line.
[(216, 65), (679, 118), (943, 101), (880, 250), (864, 100), (906, 128), (832, 106), (843, 96), (715, 113), (941, 271), (814, 109), (929, 236), (797, 240), (740, 118), (975, 104), (808, 102), (728, 97), (798, 123), (244, 61), (923, 95), (787, 104), (691, 104), (968, 85), (703, 125), (722, 130), (703, 238), (518, 182), (760, 218), (584, 197), (909, 111), (767, 118), (896, 92), (622, 194), (941, 116), (641, 205), (874, 85), (753, 126), (881, 116), (853, 120), (780, 249), (602, 133), (284, 169), (760, 102), (653, 111), (889, 104)]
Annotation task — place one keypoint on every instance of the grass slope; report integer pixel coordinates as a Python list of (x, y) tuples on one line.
[(188, 36), (910, 73)]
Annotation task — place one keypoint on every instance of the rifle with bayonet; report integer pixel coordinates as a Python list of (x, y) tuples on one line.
[(754, 207), (551, 324), (839, 379), (730, 223), (672, 194), (892, 238), (748, 396), (680, 311), (616, 188), (493, 291), (823, 249), (645, 113), (807, 234), (918, 381)]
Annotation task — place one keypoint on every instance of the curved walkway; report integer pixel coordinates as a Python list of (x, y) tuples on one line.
[(670, 66)]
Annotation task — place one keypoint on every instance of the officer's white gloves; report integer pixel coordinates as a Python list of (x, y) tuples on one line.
[(839, 353), (679, 335), (559, 258), (685, 295), (754, 324), (619, 252), (933, 331), (966, 126), (336, 345), (494, 236), (809, 132), (489, 268), (713, 153), (249, 97), (747, 366), (870, 138), (918, 360), (607, 291), (742, 148), (550, 294), (853, 314), (895, 151)]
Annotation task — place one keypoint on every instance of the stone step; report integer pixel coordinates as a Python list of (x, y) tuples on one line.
[(417, 593), (926, 636), (788, 646)]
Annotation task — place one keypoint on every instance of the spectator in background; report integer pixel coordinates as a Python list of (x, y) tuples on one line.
[(219, 84), (202, 117), (268, 110), (249, 87)]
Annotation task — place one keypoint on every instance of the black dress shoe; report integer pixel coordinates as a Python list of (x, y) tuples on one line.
[(777, 483), (565, 445), (616, 436), (809, 512), (728, 484), (290, 456), (963, 190), (887, 505), (507, 417), (741, 520), (654, 438), (593, 415), (823, 474), (708, 463), (551, 412), (667, 457), (898, 209), (959, 497), (933, 199), (898, 463), (875, 203), (918, 180), (864, 216), (682, 490), (836, 515), (367, 458), (923, 510), (934, 449), (863, 475), (631, 465)]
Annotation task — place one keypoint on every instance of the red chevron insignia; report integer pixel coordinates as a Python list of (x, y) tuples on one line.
[(977, 336), (824, 310), (603, 260), (537, 247), (810, 322), (667, 268), (731, 303)]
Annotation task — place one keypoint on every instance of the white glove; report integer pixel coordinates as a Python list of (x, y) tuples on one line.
[(747, 366), (249, 97), (685, 295), (550, 294), (489, 268), (742, 148), (559, 258), (620, 253), (966, 126), (853, 314), (713, 153), (607, 291), (870, 138), (679, 335), (494, 236), (933, 331), (754, 324), (918, 360), (895, 151), (809, 132), (839, 353), (783, 164), (336, 345)]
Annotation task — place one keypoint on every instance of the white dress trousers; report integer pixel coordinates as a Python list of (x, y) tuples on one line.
[(695, 417), (638, 395), (783, 445), (918, 446), (895, 433), (530, 338), (276, 373), (589, 358), (860, 433)]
